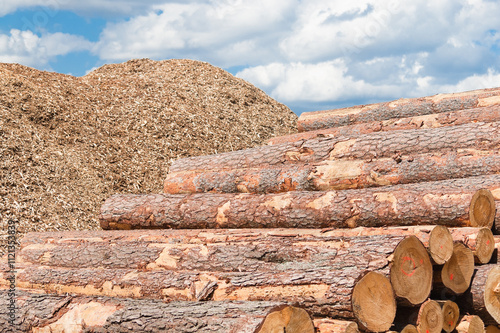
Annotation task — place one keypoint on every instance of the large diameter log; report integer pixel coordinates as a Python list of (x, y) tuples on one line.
[(480, 136), (481, 114), (213, 249), (411, 271), (373, 302), (398, 109), (442, 202), (338, 174), (60, 313)]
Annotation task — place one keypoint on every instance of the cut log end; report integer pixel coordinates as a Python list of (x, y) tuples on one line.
[(457, 272), (492, 293), (287, 319), (409, 329), (430, 318), (327, 325), (470, 324), (451, 314), (411, 271), (485, 246), (440, 244), (373, 302), (482, 209)]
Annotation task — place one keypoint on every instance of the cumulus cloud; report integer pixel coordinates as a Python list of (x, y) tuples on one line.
[(29, 49)]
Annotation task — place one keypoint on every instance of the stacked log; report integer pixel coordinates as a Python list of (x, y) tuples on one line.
[(398, 109)]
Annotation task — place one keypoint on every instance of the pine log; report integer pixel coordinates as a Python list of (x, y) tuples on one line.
[(480, 136), (492, 329), (398, 109), (319, 274), (451, 314), (210, 249), (440, 245), (456, 274), (470, 324), (482, 246), (338, 174), (411, 271), (327, 325), (373, 302), (430, 317), (409, 329), (480, 114), (442, 202), (69, 313)]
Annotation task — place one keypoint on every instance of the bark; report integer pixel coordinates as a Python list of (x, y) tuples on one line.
[(338, 174), (398, 109), (481, 114), (441, 202), (323, 285), (480, 136), (52, 313)]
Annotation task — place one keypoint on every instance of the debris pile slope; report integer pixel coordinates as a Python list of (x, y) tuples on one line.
[(67, 143)]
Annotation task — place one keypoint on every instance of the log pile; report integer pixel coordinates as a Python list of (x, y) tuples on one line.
[(378, 223)]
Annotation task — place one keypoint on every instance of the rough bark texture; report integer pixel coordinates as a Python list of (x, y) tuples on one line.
[(442, 202), (220, 250), (398, 109), (338, 174), (52, 313), (480, 136), (322, 285), (473, 301), (482, 114)]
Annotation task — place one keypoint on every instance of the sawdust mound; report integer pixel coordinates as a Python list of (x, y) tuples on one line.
[(67, 143)]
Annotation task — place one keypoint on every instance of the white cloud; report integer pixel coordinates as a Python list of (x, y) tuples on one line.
[(29, 49)]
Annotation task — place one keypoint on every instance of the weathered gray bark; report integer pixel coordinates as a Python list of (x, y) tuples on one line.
[(398, 109)]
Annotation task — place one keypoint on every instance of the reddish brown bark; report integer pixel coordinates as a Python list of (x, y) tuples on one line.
[(480, 136), (481, 114), (398, 109), (338, 174), (442, 202), (58, 313), (210, 250)]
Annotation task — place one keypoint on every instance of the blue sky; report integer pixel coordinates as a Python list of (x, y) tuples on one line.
[(307, 54)]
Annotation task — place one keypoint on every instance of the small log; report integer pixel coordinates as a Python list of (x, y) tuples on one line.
[(430, 317), (480, 114), (492, 294), (440, 245), (451, 314), (398, 109), (480, 136), (409, 329), (373, 302), (492, 329), (470, 324), (411, 271), (338, 174), (442, 202), (58, 313), (327, 325), (287, 318), (482, 209), (482, 245), (456, 274)]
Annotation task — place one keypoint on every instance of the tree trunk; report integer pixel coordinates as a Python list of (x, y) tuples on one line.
[(398, 109), (482, 114), (338, 174), (479, 136), (442, 202), (104, 314)]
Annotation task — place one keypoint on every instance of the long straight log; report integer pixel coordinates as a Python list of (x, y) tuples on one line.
[(441, 202), (321, 279), (398, 109), (69, 313), (481, 114), (338, 174), (480, 136), (212, 250)]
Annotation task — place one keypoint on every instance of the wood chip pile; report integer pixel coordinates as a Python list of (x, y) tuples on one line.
[(386, 229), (67, 143)]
